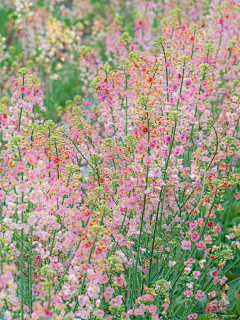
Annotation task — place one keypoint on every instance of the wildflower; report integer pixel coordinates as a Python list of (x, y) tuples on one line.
[(201, 263), (152, 309), (193, 316), (188, 293), (199, 295), (148, 161), (214, 273), (108, 292), (207, 239), (171, 263), (201, 245), (98, 313), (196, 274), (210, 224), (212, 257), (195, 236), (144, 130), (189, 262), (22, 89), (186, 245)]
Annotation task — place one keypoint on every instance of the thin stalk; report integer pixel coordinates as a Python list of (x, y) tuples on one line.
[(143, 210), (30, 272), (85, 276), (158, 207)]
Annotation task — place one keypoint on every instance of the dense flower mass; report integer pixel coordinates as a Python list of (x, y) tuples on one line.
[(119, 162)]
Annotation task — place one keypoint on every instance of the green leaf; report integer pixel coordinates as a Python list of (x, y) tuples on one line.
[(234, 287), (238, 305), (231, 306), (202, 317)]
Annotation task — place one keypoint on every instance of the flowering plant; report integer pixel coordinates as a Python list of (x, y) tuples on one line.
[(118, 211)]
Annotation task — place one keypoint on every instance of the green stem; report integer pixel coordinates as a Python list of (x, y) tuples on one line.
[(30, 273), (20, 114), (143, 210), (165, 59), (21, 274), (85, 276), (158, 207)]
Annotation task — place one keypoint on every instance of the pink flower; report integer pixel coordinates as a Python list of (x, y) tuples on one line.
[(193, 225), (120, 281), (148, 161), (189, 262), (168, 139), (152, 143), (21, 166), (152, 309), (171, 264), (190, 285), (57, 160), (206, 252), (188, 293), (186, 245), (139, 312), (182, 138), (208, 239), (22, 187), (194, 236), (22, 207), (179, 150), (98, 313), (199, 295), (201, 245), (201, 263), (215, 273), (193, 316), (23, 89), (196, 274), (108, 292), (237, 196)]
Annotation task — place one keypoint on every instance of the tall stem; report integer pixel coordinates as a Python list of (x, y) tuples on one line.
[(144, 207)]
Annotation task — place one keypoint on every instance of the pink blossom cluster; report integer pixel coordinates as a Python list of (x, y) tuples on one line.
[(116, 211)]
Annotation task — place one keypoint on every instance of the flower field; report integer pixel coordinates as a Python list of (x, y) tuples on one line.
[(119, 159)]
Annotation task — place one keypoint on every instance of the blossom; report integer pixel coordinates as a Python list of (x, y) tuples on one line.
[(195, 236), (199, 295), (108, 292), (201, 263), (214, 273), (193, 316), (168, 139), (205, 159), (145, 130), (201, 245), (152, 309), (189, 262), (171, 263), (120, 281), (148, 161), (188, 293), (98, 313), (186, 245), (196, 274)]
